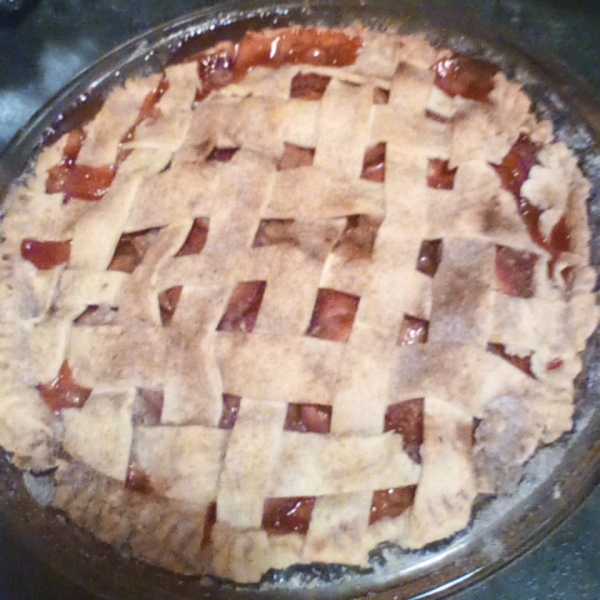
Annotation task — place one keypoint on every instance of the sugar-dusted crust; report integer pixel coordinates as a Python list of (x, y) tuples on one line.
[(188, 461)]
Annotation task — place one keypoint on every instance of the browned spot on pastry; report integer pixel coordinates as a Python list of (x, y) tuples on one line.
[(287, 515), (515, 271), (406, 418), (167, 303), (391, 503), (462, 75), (221, 154), (430, 256), (381, 96), (196, 239), (137, 479), (439, 176), (45, 255), (243, 306), (231, 407), (309, 86), (131, 249), (413, 331), (374, 163), (295, 156), (521, 362), (333, 315), (147, 408), (358, 238), (308, 418), (62, 391)]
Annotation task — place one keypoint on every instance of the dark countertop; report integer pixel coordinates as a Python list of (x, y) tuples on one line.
[(45, 43)]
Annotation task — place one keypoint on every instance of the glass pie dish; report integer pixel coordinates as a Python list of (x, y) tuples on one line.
[(557, 478)]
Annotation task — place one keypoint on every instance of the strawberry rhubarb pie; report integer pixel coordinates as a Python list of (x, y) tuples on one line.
[(292, 298)]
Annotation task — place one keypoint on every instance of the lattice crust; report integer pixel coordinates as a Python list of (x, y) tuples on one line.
[(152, 448)]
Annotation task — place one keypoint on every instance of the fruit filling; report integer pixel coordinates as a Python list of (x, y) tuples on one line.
[(514, 171), (295, 156), (461, 75), (228, 63), (430, 256), (210, 518), (391, 503), (333, 316), (62, 391), (45, 255), (137, 479), (196, 239), (221, 154), (413, 331), (439, 176), (358, 238), (131, 249), (243, 306), (308, 418), (374, 163), (309, 86), (406, 418), (287, 515), (167, 303), (231, 407), (515, 271), (521, 362)]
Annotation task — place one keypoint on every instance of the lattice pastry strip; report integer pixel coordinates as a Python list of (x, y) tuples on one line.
[(100, 433)]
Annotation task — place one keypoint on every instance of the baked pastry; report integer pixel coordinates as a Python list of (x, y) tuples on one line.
[(293, 298)]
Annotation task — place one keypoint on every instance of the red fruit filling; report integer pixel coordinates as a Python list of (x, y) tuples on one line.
[(287, 515), (391, 503), (131, 249), (229, 62), (45, 255), (430, 256), (413, 331), (333, 316), (308, 418), (137, 479), (62, 392), (243, 306), (374, 163), (406, 418), (221, 154), (231, 407), (515, 270), (514, 171), (309, 86), (275, 231), (554, 364), (167, 303), (358, 239), (439, 176), (461, 75), (196, 239), (210, 518), (295, 156), (521, 362)]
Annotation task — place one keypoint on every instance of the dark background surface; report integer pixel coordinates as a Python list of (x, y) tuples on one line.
[(45, 43)]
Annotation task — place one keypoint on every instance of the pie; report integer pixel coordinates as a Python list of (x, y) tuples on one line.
[(292, 298)]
